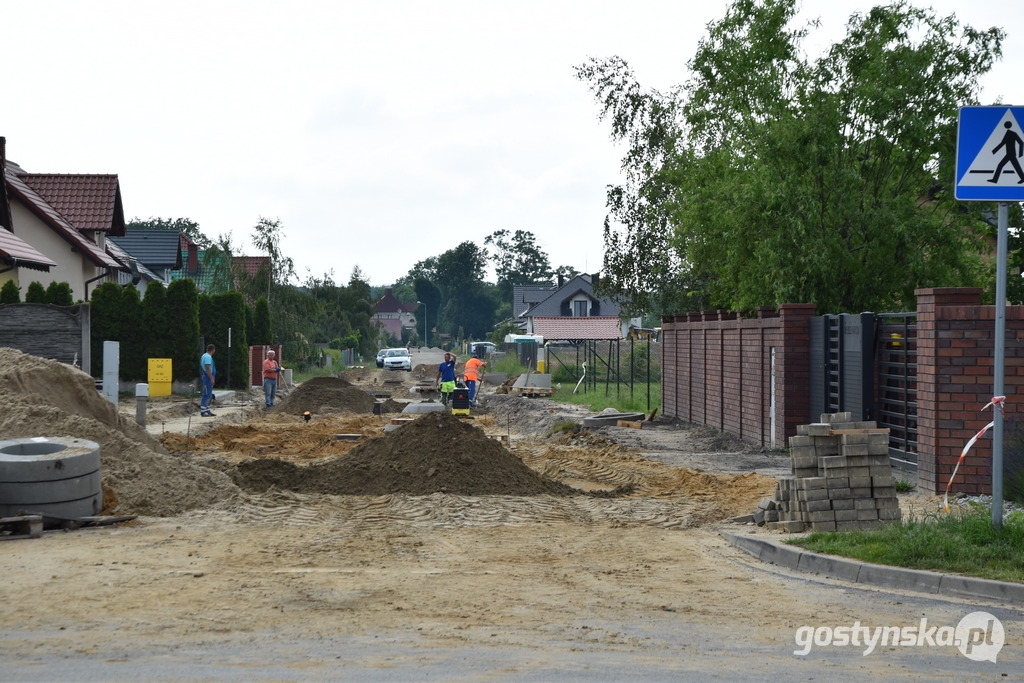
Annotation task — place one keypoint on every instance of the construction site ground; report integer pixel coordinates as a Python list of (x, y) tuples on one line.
[(506, 545)]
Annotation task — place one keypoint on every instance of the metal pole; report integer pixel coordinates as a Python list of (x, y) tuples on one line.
[(1000, 352)]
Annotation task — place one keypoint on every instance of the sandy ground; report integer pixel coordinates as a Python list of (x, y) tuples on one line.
[(280, 585)]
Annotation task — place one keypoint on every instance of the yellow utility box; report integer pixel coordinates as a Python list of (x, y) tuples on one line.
[(159, 376)]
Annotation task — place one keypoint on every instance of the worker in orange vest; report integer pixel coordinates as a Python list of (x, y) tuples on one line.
[(471, 373)]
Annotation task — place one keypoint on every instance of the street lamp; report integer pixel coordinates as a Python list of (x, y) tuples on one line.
[(420, 303)]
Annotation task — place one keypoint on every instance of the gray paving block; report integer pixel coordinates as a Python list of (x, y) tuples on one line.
[(827, 565), (897, 577), (982, 588), (745, 543), (782, 555)]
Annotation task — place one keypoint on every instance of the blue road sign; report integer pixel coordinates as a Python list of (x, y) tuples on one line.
[(990, 154)]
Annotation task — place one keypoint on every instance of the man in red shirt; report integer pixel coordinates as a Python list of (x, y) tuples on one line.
[(271, 373), (471, 373)]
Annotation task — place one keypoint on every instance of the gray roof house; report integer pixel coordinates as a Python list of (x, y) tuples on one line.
[(569, 311), (156, 252)]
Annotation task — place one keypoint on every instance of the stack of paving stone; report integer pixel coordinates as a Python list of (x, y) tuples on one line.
[(842, 479)]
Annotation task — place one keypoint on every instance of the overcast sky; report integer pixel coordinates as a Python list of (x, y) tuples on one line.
[(378, 133)]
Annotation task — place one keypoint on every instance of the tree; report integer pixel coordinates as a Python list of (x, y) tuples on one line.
[(222, 318), (36, 293), (518, 260), (460, 277), (9, 293), (770, 178), (104, 321), (261, 334), (183, 335), (132, 336), (266, 236), (217, 266), (186, 226), (155, 320), (59, 294)]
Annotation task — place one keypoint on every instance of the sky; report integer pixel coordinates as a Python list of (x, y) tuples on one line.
[(379, 134)]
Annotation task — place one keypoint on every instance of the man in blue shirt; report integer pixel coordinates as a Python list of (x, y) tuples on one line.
[(209, 376), (446, 377)]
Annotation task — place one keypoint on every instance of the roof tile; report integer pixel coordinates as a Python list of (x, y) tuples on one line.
[(89, 202), (20, 253), (577, 327)]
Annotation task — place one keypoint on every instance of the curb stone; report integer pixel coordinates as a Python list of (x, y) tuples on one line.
[(882, 576)]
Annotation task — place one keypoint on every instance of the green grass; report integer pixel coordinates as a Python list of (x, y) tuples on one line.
[(623, 402), (964, 542), (618, 398), (904, 486)]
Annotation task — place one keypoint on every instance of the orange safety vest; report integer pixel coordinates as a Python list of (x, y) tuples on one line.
[(472, 369)]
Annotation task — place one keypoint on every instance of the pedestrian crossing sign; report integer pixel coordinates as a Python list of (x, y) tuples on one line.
[(990, 154)]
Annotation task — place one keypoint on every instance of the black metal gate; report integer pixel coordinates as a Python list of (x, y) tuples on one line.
[(866, 364), (896, 363)]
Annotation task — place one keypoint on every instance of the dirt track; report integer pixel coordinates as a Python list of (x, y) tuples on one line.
[(629, 574)]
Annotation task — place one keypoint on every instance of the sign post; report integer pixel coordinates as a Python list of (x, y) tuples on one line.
[(989, 148)]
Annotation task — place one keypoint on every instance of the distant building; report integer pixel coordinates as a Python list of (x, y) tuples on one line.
[(569, 311), (393, 316)]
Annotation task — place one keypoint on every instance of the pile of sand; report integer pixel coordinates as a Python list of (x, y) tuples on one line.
[(323, 395), (435, 453), (44, 398)]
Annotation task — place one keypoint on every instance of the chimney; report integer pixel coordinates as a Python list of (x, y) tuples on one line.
[(561, 281), (595, 279)]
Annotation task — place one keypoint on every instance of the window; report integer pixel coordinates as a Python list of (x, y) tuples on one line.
[(579, 308)]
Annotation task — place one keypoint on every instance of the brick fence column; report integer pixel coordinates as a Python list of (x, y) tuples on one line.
[(793, 368), (954, 373)]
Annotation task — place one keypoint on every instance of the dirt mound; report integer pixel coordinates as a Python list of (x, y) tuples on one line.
[(435, 453), (321, 395), (45, 398)]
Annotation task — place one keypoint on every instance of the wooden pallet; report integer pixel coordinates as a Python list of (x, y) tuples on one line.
[(533, 392), (630, 423), (24, 526)]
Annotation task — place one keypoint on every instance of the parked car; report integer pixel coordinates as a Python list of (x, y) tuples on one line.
[(398, 359), (380, 357), (482, 348)]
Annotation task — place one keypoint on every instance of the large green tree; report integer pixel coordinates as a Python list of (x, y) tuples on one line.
[(770, 177), (518, 260), (183, 334)]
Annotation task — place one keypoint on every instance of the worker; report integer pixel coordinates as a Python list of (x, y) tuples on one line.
[(445, 380), (271, 373), (209, 377), (471, 373)]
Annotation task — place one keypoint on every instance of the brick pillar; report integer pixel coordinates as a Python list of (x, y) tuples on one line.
[(793, 369), (954, 376)]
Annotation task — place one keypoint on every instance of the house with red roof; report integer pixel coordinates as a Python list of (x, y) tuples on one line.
[(393, 316), (56, 228)]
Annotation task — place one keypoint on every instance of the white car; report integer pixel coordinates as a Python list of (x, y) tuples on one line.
[(398, 359)]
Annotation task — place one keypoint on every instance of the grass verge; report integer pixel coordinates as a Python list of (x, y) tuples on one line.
[(964, 542), (622, 400)]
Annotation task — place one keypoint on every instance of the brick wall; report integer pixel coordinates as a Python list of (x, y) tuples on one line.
[(955, 364), (717, 370)]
